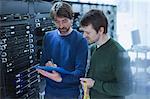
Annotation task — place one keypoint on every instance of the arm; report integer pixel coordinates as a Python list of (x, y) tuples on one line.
[(122, 86), (80, 64)]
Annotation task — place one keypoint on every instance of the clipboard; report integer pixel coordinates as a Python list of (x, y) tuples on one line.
[(50, 68)]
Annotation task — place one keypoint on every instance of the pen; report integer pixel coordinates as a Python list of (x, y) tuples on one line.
[(52, 61)]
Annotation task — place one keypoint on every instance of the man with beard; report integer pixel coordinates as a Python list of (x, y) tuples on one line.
[(65, 48)]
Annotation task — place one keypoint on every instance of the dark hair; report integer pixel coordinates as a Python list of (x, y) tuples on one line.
[(61, 9), (96, 18)]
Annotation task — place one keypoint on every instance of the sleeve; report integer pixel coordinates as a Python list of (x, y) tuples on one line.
[(80, 64), (122, 86), (44, 57)]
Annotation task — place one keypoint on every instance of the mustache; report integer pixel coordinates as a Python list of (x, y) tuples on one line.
[(62, 28)]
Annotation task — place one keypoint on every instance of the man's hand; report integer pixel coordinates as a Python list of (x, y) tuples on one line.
[(90, 82), (50, 63), (54, 75)]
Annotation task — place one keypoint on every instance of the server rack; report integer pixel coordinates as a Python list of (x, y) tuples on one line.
[(23, 24)]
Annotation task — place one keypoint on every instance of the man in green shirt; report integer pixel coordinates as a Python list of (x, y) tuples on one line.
[(109, 75)]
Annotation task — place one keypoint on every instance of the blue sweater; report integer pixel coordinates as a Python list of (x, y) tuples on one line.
[(68, 52)]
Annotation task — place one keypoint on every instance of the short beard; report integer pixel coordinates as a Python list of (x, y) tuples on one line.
[(63, 30)]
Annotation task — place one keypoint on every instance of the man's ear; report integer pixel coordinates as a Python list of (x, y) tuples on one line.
[(101, 30), (71, 21)]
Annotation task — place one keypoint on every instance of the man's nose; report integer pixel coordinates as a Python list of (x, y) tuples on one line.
[(61, 25), (85, 35)]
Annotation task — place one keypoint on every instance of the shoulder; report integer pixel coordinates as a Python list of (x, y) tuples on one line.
[(118, 50), (78, 38), (116, 46), (51, 33), (78, 35)]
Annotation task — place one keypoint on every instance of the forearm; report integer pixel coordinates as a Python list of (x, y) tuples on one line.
[(73, 78)]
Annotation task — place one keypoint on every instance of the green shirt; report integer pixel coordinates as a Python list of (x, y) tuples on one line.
[(110, 68)]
